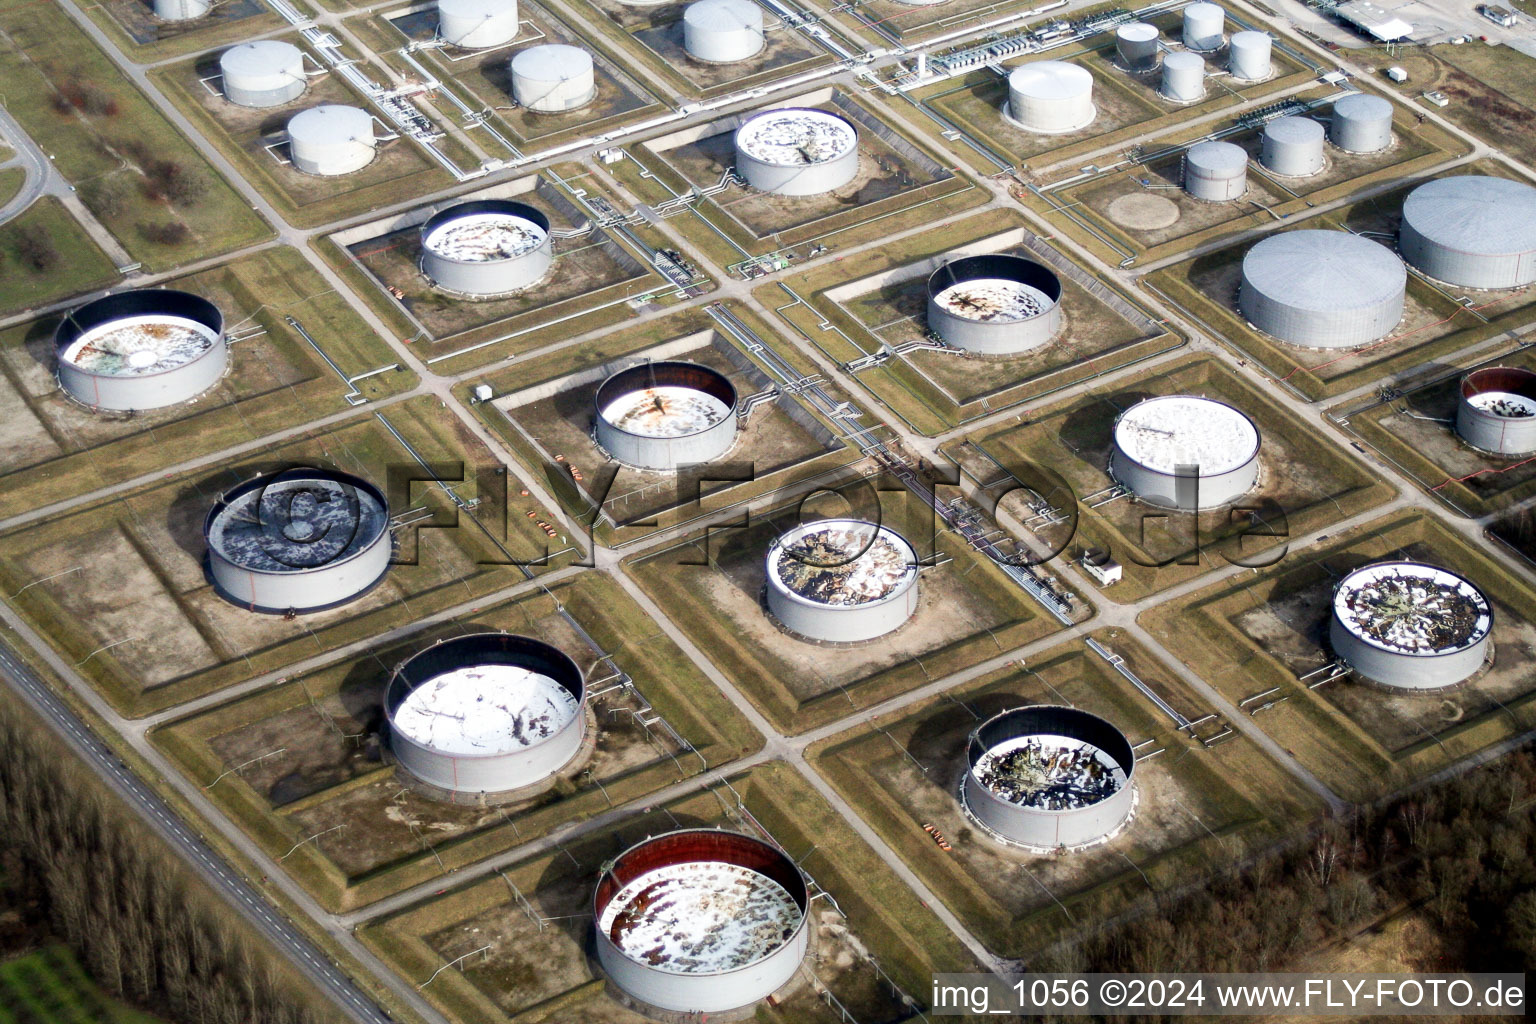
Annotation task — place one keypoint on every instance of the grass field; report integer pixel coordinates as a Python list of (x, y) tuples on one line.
[(1304, 483), (133, 26), (1252, 632), (105, 136), (11, 179), (49, 987), (543, 972), (79, 265), (1200, 807), (54, 447)]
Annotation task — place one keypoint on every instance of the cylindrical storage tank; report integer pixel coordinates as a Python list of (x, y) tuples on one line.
[(485, 713), (723, 31), (1362, 123), (1497, 410), (666, 415), (553, 78), (1322, 289), (701, 921), (1185, 452), (1183, 77), (1471, 230), (994, 303), (141, 349), (486, 247), (1292, 146), (1203, 24), (1050, 97), (299, 540), (1136, 45), (181, 10), (331, 139), (842, 580), (477, 24), (1248, 56), (1048, 777), (1216, 171), (797, 151), (265, 73), (1409, 625)]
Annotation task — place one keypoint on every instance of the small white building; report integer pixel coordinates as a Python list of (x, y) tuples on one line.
[(1100, 567)]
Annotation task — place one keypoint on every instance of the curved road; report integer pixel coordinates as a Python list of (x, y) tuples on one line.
[(208, 865), (33, 160)]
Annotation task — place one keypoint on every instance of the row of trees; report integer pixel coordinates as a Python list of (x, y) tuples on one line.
[(114, 893), (1462, 853)]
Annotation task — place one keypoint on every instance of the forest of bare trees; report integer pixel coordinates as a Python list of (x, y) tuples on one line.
[(100, 882)]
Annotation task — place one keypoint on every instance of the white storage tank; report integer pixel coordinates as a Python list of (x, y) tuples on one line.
[(665, 415), (1216, 171), (1497, 410), (797, 151), (1471, 230), (181, 10), (841, 580), (1322, 289), (485, 713), (1249, 56), (1183, 77), (1049, 778), (265, 73), (1362, 123), (301, 540), (1136, 45), (1185, 452), (1410, 626), (1051, 97), (553, 78), (723, 31), (994, 303), (486, 247), (147, 348), (1292, 146), (477, 24), (1203, 24), (700, 922), (331, 139)]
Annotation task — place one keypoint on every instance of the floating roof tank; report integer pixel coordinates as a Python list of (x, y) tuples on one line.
[(553, 78), (723, 31), (701, 921), (1497, 410), (181, 10), (994, 303), (1292, 146), (264, 73), (841, 580), (666, 415), (477, 24), (797, 151), (1249, 56), (300, 540), (486, 247), (1136, 45), (331, 139), (1183, 77), (1203, 24), (1322, 289), (1051, 97), (1185, 452), (485, 713), (1362, 123), (1216, 171), (1410, 626), (142, 349), (1471, 230), (1048, 778)]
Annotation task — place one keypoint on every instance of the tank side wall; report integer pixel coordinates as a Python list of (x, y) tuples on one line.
[(1401, 670), (153, 392), (304, 590)]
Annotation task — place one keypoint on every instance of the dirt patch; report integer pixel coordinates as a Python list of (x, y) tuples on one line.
[(1143, 212)]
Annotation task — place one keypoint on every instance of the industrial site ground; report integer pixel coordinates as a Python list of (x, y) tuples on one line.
[(258, 746)]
